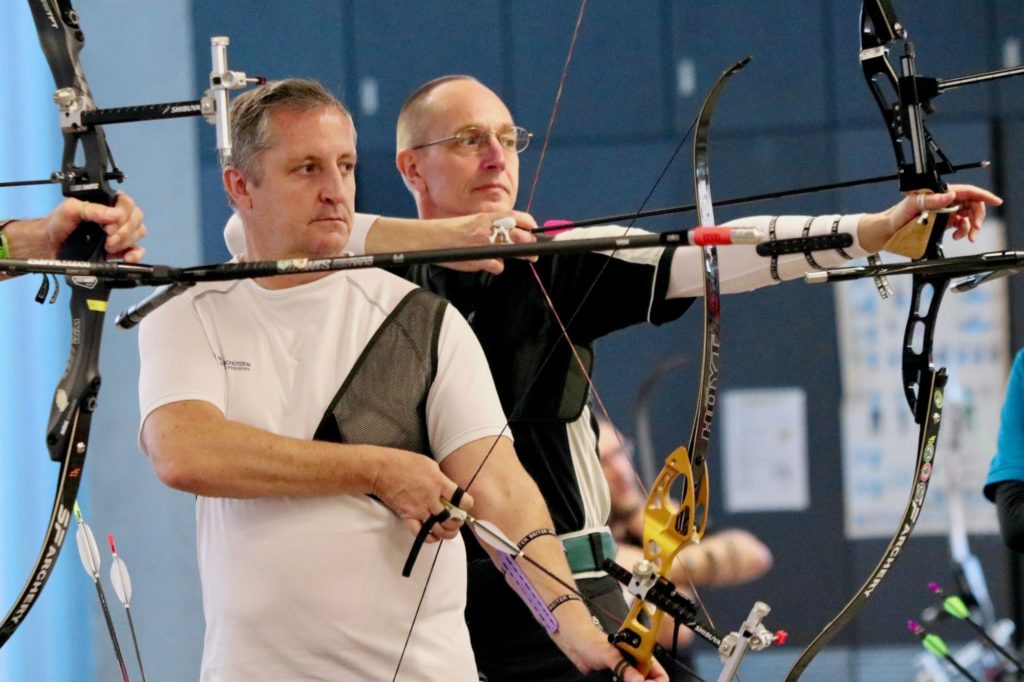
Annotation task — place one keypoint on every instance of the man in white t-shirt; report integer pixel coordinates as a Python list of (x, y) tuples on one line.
[(320, 417)]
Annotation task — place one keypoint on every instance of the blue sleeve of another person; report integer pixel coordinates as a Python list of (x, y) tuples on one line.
[(1008, 463)]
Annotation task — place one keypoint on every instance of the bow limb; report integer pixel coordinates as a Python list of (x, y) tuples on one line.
[(76, 394), (670, 525)]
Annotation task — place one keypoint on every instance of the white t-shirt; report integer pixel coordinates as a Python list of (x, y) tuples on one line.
[(310, 588)]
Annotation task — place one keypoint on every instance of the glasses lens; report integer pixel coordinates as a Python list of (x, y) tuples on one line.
[(514, 139), (469, 139), (509, 139), (522, 138), (474, 140)]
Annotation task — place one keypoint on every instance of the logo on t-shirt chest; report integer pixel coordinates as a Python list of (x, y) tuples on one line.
[(234, 365)]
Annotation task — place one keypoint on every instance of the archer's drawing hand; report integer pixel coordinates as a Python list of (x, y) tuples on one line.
[(412, 486), (478, 230)]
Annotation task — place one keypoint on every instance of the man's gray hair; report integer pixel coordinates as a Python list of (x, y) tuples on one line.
[(251, 132)]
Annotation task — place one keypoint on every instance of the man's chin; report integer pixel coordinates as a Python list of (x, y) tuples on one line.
[(331, 246), (488, 205)]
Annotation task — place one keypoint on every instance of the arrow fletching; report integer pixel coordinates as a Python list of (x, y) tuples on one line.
[(119, 578), (956, 607), (494, 537), (87, 548), (121, 581)]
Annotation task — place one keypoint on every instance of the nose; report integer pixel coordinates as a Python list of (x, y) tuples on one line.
[(493, 154), (332, 191)]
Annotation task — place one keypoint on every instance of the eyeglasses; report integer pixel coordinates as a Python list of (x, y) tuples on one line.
[(473, 140)]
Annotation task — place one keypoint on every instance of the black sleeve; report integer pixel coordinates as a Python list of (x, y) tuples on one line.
[(1010, 507), (601, 294)]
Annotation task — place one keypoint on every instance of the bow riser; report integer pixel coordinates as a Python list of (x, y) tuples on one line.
[(76, 395), (669, 525)]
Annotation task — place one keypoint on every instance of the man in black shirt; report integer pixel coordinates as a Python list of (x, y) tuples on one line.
[(458, 152)]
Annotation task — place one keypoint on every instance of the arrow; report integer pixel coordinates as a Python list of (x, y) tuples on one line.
[(122, 583), (90, 555), (955, 606), (937, 646)]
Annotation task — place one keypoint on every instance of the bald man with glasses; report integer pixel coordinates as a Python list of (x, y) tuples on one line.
[(458, 150)]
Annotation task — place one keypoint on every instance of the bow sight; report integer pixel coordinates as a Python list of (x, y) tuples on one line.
[(78, 113)]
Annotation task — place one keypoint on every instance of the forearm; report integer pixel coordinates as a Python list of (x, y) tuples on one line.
[(513, 503), (406, 234), (195, 449), (742, 269), (729, 557), (576, 632), (1010, 507), (505, 495)]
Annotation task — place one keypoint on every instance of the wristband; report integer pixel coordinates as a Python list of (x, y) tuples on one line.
[(561, 600), (531, 536), (5, 251)]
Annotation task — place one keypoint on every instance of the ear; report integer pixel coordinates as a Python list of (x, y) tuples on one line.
[(406, 162), (237, 187)]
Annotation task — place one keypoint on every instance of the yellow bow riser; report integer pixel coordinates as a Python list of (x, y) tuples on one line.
[(670, 523)]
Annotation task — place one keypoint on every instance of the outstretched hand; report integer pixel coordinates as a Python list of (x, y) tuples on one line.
[(877, 229)]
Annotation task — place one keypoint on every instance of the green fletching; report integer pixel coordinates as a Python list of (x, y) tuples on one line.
[(78, 512), (956, 607), (934, 644)]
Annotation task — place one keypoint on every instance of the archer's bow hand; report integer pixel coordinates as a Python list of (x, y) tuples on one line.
[(589, 650), (877, 229), (41, 238), (122, 224)]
